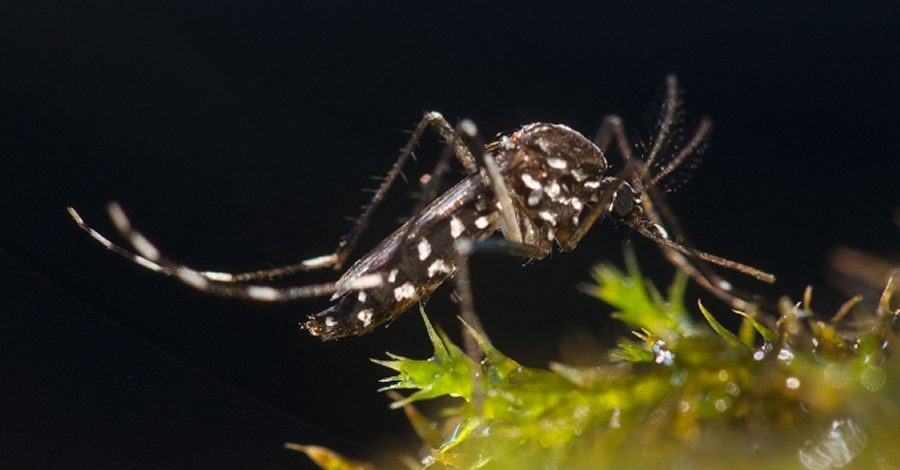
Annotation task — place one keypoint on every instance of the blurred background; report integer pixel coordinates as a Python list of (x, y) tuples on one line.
[(240, 136)]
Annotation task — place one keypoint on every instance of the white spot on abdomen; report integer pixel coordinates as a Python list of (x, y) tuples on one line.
[(406, 291), (456, 227), (424, 249), (439, 266), (365, 316)]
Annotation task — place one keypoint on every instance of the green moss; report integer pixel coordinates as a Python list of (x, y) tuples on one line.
[(799, 393)]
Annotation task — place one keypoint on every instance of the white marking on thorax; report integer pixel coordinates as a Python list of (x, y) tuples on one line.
[(482, 222), (530, 182), (392, 276), (579, 174), (535, 197), (552, 189), (548, 216), (557, 163)]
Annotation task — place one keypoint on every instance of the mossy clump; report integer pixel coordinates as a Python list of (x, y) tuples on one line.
[(796, 392)]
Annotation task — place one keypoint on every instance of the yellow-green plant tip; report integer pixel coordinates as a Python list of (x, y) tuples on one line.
[(638, 303), (439, 342), (631, 352), (768, 335), (884, 303), (718, 328), (676, 291), (327, 459), (500, 362)]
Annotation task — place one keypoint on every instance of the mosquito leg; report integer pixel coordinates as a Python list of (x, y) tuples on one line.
[(147, 252), (508, 225), (441, 126), (213, 282), (612, 129), (464, 248)]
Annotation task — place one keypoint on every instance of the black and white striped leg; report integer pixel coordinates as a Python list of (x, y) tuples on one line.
[(226, 284), (223, 284)]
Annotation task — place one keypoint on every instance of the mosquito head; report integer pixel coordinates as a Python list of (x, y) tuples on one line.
[(625, 201)]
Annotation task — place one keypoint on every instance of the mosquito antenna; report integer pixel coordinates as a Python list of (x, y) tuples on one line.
[(700, 136), (666, 120)]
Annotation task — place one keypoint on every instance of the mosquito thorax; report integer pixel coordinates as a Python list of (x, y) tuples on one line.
[(553, 172)]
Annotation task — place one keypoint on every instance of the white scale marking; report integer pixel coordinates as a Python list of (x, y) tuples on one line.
[(662, 231), (393, 275), (557, 163), (406, 291), (468, 127), (144, 247), (456, 227), (578, 174), (365, 316), (482, 222), (548, 216), (362, 296), (439, 266), (218, 276), (552, 189), (320, 261), (262, 293), (367, 281), (535, 197), (424, 249), (193, 278), (530, 182)]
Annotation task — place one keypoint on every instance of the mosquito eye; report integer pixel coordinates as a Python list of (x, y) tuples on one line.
[(623, 202)]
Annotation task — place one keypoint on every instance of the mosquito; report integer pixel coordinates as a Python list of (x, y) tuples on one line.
[(540, 186)]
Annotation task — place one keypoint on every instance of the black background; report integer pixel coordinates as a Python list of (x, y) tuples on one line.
[(238, 136)]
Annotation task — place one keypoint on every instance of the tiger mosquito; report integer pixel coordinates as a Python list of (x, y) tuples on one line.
[(540, 185)]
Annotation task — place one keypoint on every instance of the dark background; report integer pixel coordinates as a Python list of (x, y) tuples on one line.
[(239, 136)]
